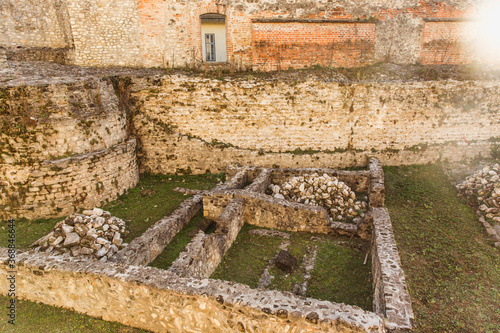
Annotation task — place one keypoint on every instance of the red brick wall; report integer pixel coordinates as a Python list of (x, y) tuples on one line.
[(298, 44), (447, 43)]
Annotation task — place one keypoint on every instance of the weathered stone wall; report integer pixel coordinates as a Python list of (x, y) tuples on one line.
[(204, 253), (171, 35), (105, 32), (391, 298), (168, 33), (61, 187), (205, 123), (145, 248), (158, 300), (34, 24), (62, 147)]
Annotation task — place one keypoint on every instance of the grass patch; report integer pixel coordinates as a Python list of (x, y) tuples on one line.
[(27, 231), (298, 247), (453, 273), (178, 243), (39, 317), (340, 276), (140, 212), (247, 258)]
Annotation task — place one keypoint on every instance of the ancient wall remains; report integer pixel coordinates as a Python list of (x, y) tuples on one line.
[(261, 35), (34, 24), (448, 42), (205, 124), (157, 300), (105, 33), (63, 147), (281, 44)]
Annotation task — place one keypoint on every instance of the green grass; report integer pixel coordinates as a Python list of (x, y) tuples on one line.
[(27, 231), (340, 276), (247, 258), (141, 212), (452, 271), (178, 243), (351, 282), (38, 317)]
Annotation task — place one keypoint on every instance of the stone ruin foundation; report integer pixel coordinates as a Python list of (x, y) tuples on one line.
[(184, 298)]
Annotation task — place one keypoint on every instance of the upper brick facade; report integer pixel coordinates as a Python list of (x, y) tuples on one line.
[(266, 35)]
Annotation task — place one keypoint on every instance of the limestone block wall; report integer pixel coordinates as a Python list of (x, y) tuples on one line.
[(159, 301), (61, 187), (63, 147), (34, 24), (206, 124), (105, 32)]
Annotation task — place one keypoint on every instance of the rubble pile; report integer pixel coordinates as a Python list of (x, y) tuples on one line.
[(95, 233), (483, 190), (325, 191)]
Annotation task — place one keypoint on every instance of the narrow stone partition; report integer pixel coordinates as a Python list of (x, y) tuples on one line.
[(145, 248), (204, 253), (391, 298)]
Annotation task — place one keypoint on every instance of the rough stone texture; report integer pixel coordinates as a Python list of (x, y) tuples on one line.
[(207, 124), (261, 182), (145, 248), (60, 187), (41, 23), (391, 298), (3, 59), (357, 180), (376, 195), (285, 261), (167, 33), (268, 212), (105, 33), (204, 253), (157, 300)]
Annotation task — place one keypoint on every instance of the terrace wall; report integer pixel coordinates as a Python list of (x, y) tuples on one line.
[(205, 124)]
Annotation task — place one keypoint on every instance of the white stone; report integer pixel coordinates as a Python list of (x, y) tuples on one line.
[(71, 239), (66, 229), (98, 211), (102, 241)]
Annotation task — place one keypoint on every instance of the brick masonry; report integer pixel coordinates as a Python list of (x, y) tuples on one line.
[(261, 35)]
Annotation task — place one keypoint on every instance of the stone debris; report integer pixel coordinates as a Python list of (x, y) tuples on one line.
[(285, 261), (95, 233), (482, 189), (326, 191), (306, 267)]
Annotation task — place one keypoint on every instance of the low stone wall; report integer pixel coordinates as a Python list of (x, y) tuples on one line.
[(268, 212), (376, 194), (61, 187), (391, 298), (204, 253), (145, 248), (160, 301)]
